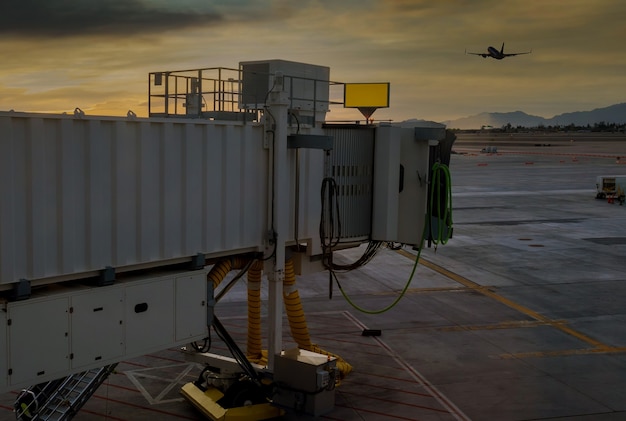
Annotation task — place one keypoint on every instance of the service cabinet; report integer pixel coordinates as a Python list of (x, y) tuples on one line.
[(97, 328), (67, 330), (38, 332)]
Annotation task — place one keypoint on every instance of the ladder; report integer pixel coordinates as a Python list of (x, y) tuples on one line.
[(60, 400)]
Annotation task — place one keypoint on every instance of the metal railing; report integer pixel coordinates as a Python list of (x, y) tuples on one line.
[(223, 93), (193, 93)]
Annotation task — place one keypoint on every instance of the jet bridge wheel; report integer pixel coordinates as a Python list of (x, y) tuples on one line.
[(242, 393), (29, 401), (26, 405)]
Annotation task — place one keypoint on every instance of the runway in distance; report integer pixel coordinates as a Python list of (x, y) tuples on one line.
[(498, 55)]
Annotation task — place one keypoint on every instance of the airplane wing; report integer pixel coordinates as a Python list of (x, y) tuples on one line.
[(483, 55), (516, 54)]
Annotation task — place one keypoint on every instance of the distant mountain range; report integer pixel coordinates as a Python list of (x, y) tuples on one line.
[(611, 114)]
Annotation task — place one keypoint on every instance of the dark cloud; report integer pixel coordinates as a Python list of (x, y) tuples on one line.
[(43, 18)]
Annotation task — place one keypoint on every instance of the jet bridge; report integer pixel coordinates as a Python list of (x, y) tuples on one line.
[(111, 229)]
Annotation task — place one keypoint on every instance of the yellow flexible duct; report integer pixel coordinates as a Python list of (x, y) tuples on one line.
[(219, 271), (297, 321), (294, 310), (254, 344)]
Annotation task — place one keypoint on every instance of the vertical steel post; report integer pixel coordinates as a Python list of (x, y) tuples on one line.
[(277, 111)]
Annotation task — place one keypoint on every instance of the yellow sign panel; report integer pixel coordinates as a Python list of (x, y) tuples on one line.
[(359, 95)]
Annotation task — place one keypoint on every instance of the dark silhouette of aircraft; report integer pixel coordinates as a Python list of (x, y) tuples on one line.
[(498, 55)]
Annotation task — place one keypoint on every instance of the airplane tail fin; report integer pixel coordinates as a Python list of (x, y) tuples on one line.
[(502, 49)]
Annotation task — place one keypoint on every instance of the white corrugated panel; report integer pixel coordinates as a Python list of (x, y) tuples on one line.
[(80, 194)]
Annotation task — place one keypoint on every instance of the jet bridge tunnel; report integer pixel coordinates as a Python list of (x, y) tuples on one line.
[(110, 226)]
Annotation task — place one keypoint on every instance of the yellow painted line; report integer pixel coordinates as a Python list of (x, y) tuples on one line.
[(422, 290), (587, 351), (511, 304), (517, 324)]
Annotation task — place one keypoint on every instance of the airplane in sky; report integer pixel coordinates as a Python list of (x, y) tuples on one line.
[(498, 55)]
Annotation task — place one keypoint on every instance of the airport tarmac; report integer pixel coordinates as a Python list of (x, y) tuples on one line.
[(520, 316)]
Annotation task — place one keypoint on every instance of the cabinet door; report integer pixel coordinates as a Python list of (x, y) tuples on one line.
[(3, 349), (38, 338), (149, 316), (191, 307), (97, 327)]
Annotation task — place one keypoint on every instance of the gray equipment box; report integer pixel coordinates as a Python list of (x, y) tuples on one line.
[(306, 84), (306, 381)]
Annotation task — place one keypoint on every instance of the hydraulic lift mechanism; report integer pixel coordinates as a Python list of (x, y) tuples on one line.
[(126, 232)]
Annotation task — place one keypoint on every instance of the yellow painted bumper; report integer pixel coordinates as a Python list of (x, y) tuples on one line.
[(206, 402)]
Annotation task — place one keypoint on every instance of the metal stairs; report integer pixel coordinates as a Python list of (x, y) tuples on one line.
[(60, 400)]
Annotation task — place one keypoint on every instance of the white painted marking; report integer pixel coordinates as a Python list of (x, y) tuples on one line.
[(135, 375), (440, 397)]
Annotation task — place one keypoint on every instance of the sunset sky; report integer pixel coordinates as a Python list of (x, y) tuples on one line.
[(95, 54)]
